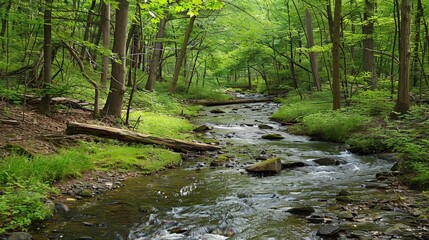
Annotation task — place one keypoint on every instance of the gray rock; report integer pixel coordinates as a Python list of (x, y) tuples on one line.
[(397, 229), (327, 161), (346, 215), (20, 236), (84, 193), (377, 185), (289, 165), (344, 192), (61, 208), (304, 210), (273, 165), (265, 126), (217, 110), (328, 230), (273, 136), (202, 128)]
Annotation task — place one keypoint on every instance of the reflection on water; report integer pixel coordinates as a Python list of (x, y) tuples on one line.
[(205, 203)]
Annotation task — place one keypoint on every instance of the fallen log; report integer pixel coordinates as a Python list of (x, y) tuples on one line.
[(9, 122), (233, 101), (135, 137)]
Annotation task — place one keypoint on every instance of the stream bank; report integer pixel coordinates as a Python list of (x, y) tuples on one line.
[(201, 201)]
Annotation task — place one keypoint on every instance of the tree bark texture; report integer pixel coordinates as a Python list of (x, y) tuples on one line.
[(156, 56), (182, 55), (113, 106), (403, 101), (336, 91), (313, 57), (44, 106), (368, 42), (105, 26), (135, 137)]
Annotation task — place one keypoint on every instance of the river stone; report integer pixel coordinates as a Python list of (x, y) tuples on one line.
[(346, 215), (304, 210), (289, 165), (344, 192), (61, 208), (273, 165), (84, 193), (345, 199), (20, 236), (273, 136), (202, 128), (326, 161), (397, 229), (377, 185), (361, 235), (328, 230), (85, 238), (217, 110), (265, 126)]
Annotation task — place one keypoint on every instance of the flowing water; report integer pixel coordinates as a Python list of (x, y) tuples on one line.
[(196, 201)]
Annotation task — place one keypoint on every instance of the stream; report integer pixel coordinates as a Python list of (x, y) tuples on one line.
[(198, 201)]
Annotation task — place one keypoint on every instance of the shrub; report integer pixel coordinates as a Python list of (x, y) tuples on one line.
[(333, 125)]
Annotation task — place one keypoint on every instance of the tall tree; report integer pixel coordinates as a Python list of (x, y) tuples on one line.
[(113, 106), (156, 56), (105, 26), (313, 57), (403, 100), (44, 106), (368, 41), (336, 25), (182, 55)]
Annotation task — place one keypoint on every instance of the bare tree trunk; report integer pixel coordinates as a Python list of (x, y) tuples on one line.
[(44, 106), (403, 101), (4, 23), (88, 27), (182, 56), (416, 73), (336, 91), (156, 57), (105, 25), (368, 42), (313, 57), (113, 106)]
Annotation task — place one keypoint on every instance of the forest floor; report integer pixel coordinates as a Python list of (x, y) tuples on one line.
[(36, 134)]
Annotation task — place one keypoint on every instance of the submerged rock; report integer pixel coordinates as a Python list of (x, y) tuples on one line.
[(328, 230), (217, 110), (304, 210), (202, 128), (273, 165), (273, 136), (84, 193), (377, 185), (289, 165), (327, 161), (20, 236), (265, 126)]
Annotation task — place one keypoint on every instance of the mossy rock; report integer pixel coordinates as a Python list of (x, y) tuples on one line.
[(217, 110), (270, 166), (220, 161), (345, 199), (273, 136)]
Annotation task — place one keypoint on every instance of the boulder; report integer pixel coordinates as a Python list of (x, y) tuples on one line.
[(202, 128), (273, 165), (328, 230), (20, 236), (327, 161), (377, 185), (217, 110), (273, 136), (290, 165), (304, 210), (265, 126), (344, 192)]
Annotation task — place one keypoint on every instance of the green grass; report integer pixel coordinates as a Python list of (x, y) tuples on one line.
[(140, 158), (161, 124), (24, 181)]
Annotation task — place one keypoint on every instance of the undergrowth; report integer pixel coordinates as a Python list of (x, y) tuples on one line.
[(24, 181), (365, 124)]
